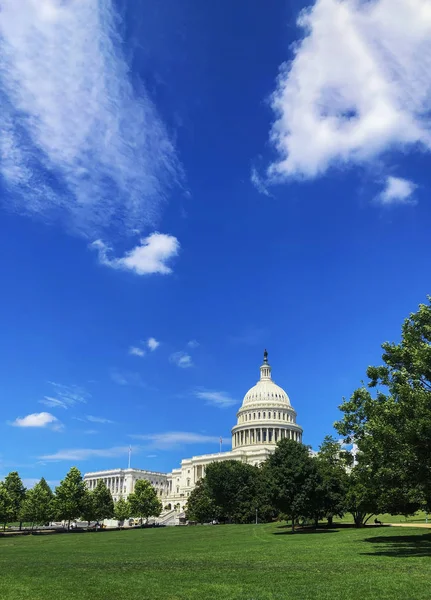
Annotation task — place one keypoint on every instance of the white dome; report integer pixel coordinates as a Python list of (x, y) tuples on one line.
[(266, 391)]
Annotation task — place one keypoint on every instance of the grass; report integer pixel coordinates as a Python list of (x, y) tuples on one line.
[(231, 562)]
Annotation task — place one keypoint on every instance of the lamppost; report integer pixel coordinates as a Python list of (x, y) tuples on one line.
[(256, 516)]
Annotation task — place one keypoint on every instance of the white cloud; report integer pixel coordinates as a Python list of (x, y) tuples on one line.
[(79, 454), (80, 140), (193, 344), (135, 351), (359, 84), (65, 396), (53, 402), (181, 359), (258, 182), (397, 191), (43, 419), (149, 257), (102, 420), (152, 343), (172, 439), (219, 399)]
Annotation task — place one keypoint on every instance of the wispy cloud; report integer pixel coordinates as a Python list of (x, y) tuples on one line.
[(219, 399), (181, 359), (193, 344), (65, 396), (397, 191), (149, 257), (79, 140), (101, 420), (79, 454), (152, 344), (258, 182), (43, 419), (127, 378), (136, 351), (173, 439), (359, 84)]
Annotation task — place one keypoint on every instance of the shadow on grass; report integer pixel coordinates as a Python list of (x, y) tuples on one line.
[(401, 545), (302, 531)]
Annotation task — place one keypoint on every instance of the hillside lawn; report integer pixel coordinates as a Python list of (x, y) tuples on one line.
[(225, 562)]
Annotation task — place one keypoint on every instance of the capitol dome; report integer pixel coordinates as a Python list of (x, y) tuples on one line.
[(266, 415)]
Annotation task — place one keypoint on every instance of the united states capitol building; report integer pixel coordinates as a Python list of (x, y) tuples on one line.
[(265, 417)]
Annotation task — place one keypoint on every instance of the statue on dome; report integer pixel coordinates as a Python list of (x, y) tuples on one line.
[(265, 356)]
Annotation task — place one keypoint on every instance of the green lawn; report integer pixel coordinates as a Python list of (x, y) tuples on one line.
[(231, 562)]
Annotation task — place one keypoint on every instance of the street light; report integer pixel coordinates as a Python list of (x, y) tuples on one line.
[(256, 516)]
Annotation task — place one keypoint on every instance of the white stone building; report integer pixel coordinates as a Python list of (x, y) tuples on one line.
[(265, 417), (121, 482)]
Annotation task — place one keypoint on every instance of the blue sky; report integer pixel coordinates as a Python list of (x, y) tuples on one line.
[(183, 184)]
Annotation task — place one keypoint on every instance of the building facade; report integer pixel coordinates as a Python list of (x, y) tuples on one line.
[(266, 416), (121, 482)]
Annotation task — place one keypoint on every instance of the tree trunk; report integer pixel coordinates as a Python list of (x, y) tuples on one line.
[(20, 525), (293, 524), (330, 520), (68, 525)]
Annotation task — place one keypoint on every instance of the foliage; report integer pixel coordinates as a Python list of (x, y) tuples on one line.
[(88, 507), (16, 492), (200, 505), (293, 477), (331, 491), (6, 508), (70, 496), (144, 502), (392, 428), (37, 507), (122, 509), (236, 490), (103, 502)]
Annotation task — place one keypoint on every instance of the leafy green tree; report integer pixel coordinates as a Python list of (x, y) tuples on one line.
[(103, 502), (200, 505), (390, 418), (88, 508), (331, 462), (144, 502), (16, 491), (234, 488), (293, 477), (70, 496), (37, 507), (121, 510), (6, 507), (362, 497)]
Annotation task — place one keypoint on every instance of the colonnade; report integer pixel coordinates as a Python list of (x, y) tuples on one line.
[(264, 435), (114, 484)]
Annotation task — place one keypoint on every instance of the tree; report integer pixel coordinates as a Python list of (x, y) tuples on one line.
[(293, 477), (88, 508), (144, 502), (38, 504), (70, 496), (331, 463), (392, 427), (16, 491), (103, 502), (234, 488), (122, 510), (6, 508), (200, 505), (362, 497)]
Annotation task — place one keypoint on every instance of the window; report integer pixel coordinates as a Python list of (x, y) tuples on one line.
[(188, 482), (258, 415), (254, 415), (264, 415)]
